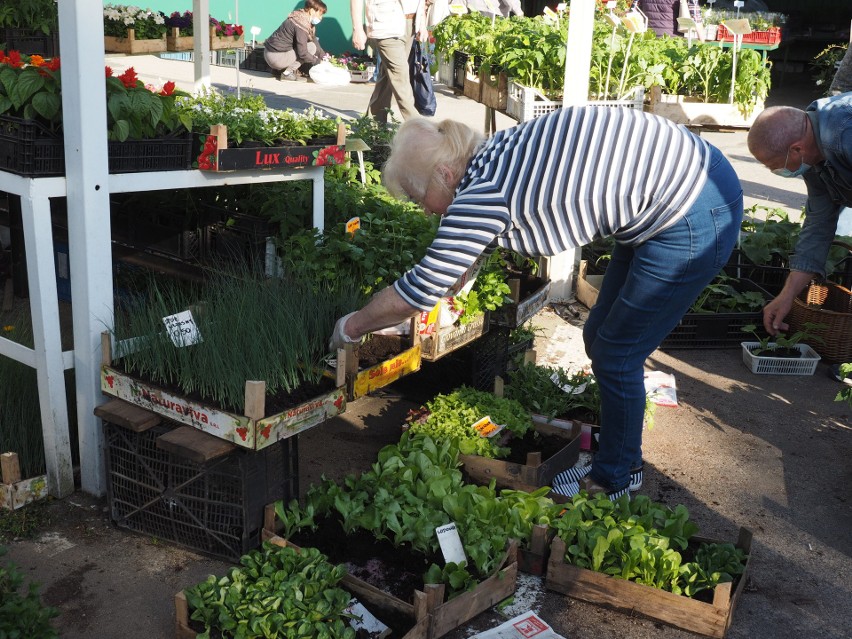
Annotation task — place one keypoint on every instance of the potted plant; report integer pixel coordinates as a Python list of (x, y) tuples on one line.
[(782, 354), (129, 29), (31, 117), (179, 36), (29, 26), (224, 35)]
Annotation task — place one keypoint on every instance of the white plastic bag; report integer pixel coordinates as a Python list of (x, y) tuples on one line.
[(328, 74)]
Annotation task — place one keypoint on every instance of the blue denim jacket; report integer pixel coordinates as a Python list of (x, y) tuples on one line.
[(829, 183)]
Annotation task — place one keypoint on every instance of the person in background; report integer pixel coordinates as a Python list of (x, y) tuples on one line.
[(294, 46), (816, 144), (390, 30), (671, 201), (662, 16)]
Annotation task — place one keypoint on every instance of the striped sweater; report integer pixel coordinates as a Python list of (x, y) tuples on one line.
[(558, 182)]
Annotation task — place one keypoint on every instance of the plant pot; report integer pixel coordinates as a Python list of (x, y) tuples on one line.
[(710, 619), (131, 46)]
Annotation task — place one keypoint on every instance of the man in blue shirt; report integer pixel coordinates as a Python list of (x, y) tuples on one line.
[(817, 144)]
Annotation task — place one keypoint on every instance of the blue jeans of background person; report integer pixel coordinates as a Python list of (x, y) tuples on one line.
[(646, 291)]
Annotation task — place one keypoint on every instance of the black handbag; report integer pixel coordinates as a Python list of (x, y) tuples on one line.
[(421, 80)]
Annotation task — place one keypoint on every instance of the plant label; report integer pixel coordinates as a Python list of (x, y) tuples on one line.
[(365, 620), (738, 27), (451, 545), (572, 390), (182, 329), (353, 225), (486, 428), (524, 626)]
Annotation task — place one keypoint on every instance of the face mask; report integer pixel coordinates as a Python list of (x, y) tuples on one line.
[(315, 21), (787, 173)]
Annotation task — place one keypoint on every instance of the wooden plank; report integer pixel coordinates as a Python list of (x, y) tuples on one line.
[(255, 399), (194, 445), (10, 468), (683, 612), (126, 415), (182, 629)]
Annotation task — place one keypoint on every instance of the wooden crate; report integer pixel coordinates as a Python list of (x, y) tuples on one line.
[(360, 382), (710, 619), (14, 491), (522, 308), (446, 340), (131, 46), (176, 42), (588, 286), (431, 616), (225, 42), (536, 472), (693, 111), (472, 85), (495, 90)]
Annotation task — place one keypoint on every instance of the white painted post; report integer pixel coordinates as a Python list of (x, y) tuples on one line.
[(201, 42), (578, 59), (44, 308), (89, 250)]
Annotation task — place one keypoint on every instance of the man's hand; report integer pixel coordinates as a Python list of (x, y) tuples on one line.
[(359, 38), (774, 314), (339, 338)]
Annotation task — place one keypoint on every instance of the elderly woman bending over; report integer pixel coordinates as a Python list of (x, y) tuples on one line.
[(670, 200)]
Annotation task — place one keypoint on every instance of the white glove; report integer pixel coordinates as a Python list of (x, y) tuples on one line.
[(339, 336)]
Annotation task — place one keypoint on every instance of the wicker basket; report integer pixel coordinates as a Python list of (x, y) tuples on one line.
[(831, 305)]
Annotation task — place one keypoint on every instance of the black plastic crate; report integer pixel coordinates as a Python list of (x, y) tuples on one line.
[(460, 59), (30, 149), (237, 238), (717, 330), (214, 508), (254, 61), (770, 277), (30, 42)]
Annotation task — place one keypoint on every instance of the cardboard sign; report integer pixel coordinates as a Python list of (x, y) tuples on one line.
[(182, 329), (450, 542), (525, 626), (487, 428)]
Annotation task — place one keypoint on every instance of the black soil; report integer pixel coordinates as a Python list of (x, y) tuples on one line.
[(379, 348)]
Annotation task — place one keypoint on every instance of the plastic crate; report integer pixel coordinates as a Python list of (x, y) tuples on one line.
[(769, 36), (214, 508), (445, 68), (30, 41), (460, 68), (30, 149), (716, 330), (525, 103), (804, 365), (254, 61)]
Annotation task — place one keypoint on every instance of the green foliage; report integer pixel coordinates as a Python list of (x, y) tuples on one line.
[(451, 417), (147, 24), (276, 592), (38, 15), (845, 394), (22, 615), (638, 540), (722, 296), (553, 391), (823, 65), (252, 328), (489, 291), (248, 118), (413, 488), (782, 340), (26, 522)]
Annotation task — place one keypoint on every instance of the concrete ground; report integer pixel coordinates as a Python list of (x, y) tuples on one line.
[(770, 453)]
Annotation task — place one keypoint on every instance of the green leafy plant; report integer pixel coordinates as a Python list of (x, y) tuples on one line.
[(37, 15), (824, 64), (276, 592), (21, 611), (782, 341), (845, 394), (722, 296), (451, 417), (489, 291)]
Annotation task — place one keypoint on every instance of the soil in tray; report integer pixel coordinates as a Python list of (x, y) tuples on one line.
[(379, 348), (533, 442), (787, 353), (395, 571), (277, 403)]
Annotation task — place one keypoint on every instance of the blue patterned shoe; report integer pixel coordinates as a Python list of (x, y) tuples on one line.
[(587, 484), (576, 473)]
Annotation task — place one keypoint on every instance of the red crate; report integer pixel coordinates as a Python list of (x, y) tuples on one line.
[(771, 36)]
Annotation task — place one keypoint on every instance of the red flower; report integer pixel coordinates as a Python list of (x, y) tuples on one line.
[(168, 88), (129, 78), (14, 59), (239, 30), (108, 71), (330, 155), (53, 64)]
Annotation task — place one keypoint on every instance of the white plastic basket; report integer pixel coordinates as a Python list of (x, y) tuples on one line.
[(362, 76), (526, 103), (804, 365), (444, 75)]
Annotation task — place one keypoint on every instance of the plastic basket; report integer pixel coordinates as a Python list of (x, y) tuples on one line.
[(445, 68), (828, 304), (769, 36), (762, 365), (716, 330), (254, 61), (31, 41), (525, 103), (461, 66), (214, 508), (30, 149)]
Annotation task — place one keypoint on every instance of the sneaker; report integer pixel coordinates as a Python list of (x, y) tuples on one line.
[(576, 473), (591, 487), (292, 76)]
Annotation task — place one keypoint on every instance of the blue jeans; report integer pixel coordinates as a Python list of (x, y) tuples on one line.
[(646, 291)]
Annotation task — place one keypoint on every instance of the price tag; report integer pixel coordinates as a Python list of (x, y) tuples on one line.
[(450, 542), (486, 428), (182, 329), (353, 225), (572, 390)]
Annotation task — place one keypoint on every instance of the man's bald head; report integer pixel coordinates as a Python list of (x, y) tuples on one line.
[(774, 131)]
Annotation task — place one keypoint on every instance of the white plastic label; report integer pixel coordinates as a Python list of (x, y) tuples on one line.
[(182, 329), (487, 428), (364, 619), (572, 390), (451, 545)]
